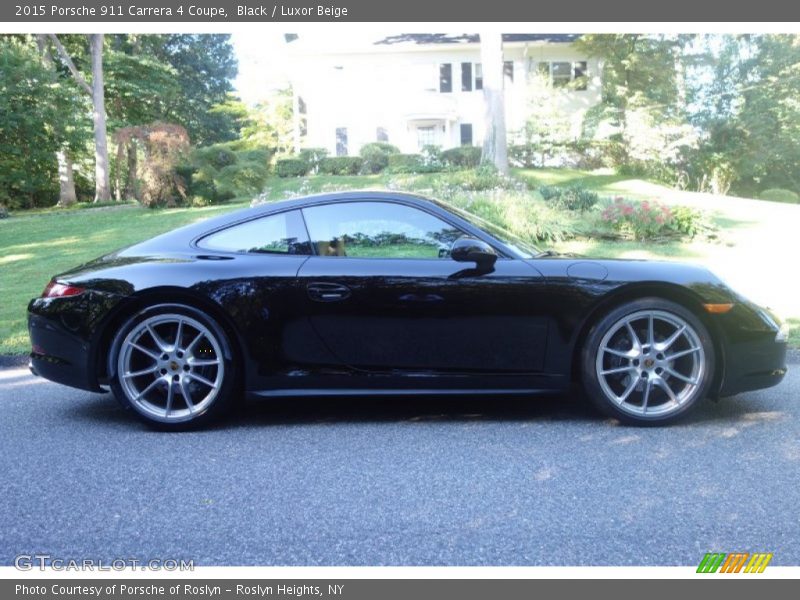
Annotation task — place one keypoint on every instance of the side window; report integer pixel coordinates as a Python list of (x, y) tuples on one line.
[(378, 230), (283, 233)]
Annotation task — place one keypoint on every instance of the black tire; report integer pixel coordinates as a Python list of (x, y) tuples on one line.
[(627, 373), (175, 373)]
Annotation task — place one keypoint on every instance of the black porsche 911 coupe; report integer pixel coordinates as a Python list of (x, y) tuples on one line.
[(382, 293)]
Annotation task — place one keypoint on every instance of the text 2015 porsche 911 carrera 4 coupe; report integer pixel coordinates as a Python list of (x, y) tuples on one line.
[(383, 293)]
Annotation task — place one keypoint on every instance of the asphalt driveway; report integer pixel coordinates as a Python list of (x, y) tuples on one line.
[(494, 481)]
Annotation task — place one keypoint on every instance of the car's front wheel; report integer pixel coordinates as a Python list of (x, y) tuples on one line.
[(173, 366), (648, 362)]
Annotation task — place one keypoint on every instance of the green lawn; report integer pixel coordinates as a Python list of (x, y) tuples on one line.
[(754, 253)]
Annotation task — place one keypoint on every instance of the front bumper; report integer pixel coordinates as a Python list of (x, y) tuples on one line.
[(755, 357)]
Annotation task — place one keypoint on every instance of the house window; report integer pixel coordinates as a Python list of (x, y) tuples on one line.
[(382, 135), (426, 136), (466, 77), (466, 134), (564, 74), (341, 141), (478, 76), (445, 78), (579, 74), (561, 73), (302, 111), (508, 70)]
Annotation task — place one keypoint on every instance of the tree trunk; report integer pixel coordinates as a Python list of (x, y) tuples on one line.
[(66, 180), (132, 183), (495, 148), (102, 189)]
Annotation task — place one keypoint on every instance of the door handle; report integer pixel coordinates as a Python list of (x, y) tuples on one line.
[(327, 292)]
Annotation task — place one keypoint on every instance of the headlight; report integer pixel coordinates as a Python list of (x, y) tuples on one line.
[(783, 333)]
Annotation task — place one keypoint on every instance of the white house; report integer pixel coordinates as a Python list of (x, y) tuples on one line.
[(417, 89)]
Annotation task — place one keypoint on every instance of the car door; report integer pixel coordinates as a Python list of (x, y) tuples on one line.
[(383, 293)]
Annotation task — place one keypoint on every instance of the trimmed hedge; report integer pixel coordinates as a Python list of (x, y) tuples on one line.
[(405, 163), (780, 195), (312, 157), (376, 156), (462, 157), (291, 167), (341, 165)]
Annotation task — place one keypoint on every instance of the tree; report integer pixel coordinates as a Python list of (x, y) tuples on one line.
[(97, 93), (269, 124), (495, 146), (204, 66), (34, 126), (640, 88), (548, 128), (66, 177)]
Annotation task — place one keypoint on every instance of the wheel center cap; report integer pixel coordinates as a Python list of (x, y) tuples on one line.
[(649, 362), (173, 365)]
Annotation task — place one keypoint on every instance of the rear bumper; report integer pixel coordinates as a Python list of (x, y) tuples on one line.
[(64, 335), (60, 356)]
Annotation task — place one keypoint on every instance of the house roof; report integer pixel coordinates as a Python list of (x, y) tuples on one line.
[(474, 38), (372, 42)]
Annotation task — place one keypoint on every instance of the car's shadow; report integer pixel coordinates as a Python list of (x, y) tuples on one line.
[(413, 409), (569, 408)]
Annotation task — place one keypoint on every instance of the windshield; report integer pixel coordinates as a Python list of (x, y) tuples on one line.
[(518, 245)]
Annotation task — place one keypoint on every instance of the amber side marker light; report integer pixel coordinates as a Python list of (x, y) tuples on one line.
[(718, 309)]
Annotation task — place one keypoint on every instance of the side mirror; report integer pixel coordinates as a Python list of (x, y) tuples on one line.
[(468, 249)]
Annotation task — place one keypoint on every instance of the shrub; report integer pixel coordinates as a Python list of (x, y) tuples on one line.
[(291, 167), (259, 155), (686, 221), (405, 163), (514, 211), (780, 195), (522, 155), (432, 159), (573, 197), (642, 221), (313, 157), (548, 192), (376, 156), (3, 212), (462, 157), (341, 165), (485, 177), (243, 178), (218, 156), (223, 171)]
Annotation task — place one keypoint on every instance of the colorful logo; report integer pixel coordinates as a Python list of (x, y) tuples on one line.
[(735, 562)]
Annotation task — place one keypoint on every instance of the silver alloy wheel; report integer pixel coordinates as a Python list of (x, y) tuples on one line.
[(651, 363), (170, 367)]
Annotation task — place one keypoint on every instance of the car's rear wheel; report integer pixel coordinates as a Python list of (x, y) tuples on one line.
[(648, 362), (173, 366)]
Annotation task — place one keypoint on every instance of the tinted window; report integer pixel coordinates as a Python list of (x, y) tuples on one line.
[(378, 230), (283, 233)]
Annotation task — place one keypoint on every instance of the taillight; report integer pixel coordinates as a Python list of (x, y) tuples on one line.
[(55, 289)]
